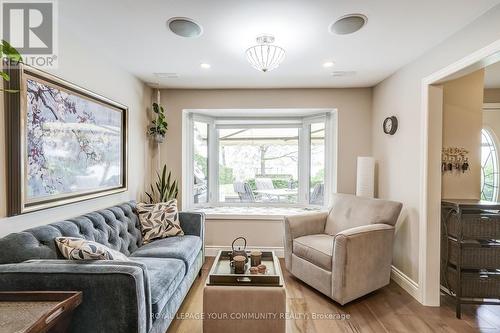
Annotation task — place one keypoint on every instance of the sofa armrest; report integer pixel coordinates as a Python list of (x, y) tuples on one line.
[(361, 261), (192, 223), (301, 225), (116, 296)]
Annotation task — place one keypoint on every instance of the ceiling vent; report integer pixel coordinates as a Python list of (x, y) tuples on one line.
[(343, 73), (348, 24), (166, 75), (184, 27)]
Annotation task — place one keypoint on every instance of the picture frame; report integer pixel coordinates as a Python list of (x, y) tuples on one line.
[(65, 143)]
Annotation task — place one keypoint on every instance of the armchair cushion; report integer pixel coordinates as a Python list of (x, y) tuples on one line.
[(349, 211), (165, 275), (317, 249), (184, 248)]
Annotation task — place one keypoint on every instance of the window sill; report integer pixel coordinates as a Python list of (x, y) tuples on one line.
[(253, 213)]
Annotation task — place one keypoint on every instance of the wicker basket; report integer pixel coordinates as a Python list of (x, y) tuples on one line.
[(475, 226), (475, 254), (476, 284)]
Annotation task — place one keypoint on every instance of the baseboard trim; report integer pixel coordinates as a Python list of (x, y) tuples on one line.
[(212, 250), (410, 286)]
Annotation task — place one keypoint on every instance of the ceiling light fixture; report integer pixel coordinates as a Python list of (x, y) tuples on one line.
[(204, 65), (265, 57), (328, 64)]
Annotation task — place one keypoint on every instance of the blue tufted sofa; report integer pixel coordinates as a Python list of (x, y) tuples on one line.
[(141, 295)]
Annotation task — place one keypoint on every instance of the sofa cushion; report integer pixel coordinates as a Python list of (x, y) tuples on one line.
[(317, 249), (184, 248), (81, 249), (165, 275), (159, 220), (349, 211)]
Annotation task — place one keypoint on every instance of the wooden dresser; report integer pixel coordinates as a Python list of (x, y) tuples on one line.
[(470, 251)]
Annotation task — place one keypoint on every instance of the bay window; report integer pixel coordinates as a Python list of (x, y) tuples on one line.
[(272, 160)]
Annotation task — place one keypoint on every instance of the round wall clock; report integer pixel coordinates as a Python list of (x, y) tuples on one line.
[(390, 125)]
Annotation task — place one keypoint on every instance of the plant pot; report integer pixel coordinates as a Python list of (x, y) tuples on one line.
[(159, 138)]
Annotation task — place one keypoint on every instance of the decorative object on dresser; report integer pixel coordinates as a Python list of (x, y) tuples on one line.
[(470, 251), (64, 143), (37, 311), (453, 158), (259, 293)]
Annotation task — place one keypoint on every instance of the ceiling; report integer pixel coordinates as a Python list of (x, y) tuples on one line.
[(492, 76), (134, 35)]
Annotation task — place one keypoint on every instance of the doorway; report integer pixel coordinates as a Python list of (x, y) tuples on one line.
[(431, 176)]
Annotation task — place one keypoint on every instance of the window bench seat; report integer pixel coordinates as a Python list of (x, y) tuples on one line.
[(252, 213)]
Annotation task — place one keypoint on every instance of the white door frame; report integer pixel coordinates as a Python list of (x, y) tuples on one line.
[(430, 189)]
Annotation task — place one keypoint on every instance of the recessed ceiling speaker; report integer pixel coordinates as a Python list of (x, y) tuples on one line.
[(184, 27), (348, 24)]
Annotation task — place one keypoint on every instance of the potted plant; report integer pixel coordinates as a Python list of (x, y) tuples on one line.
[(10, 53), (158, 129), (164, 189)]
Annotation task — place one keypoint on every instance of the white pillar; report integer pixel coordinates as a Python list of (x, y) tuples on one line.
[(365, 179)]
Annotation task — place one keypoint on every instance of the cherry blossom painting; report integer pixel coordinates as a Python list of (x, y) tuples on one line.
[(73, 143), (65, 143)]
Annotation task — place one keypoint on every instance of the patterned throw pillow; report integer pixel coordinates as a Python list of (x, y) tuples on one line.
[(159, 220), (81, 249)]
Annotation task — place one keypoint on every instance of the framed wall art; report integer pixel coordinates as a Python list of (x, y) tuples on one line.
[(64, 143)]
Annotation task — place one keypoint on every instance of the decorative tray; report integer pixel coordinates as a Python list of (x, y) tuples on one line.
[(222, 273)]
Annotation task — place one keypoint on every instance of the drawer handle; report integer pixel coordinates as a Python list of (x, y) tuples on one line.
[(244, 279)]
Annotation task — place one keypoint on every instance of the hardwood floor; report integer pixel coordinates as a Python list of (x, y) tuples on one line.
[(389, 309)]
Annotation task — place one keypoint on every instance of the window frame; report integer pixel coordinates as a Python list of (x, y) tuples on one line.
[(490, 134), (329, 116)]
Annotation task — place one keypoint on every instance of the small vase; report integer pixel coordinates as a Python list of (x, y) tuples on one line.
[(159, 138)]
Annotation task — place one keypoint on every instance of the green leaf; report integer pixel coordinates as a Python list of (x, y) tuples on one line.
[(5, 76), (10, 52), (167, 187)]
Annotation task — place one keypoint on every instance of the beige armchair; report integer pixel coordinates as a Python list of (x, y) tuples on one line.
[(344, 253)]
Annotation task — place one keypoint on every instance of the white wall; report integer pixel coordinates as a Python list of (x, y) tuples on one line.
[(354, 119), (80, 64), (399, 155), (354, 123)]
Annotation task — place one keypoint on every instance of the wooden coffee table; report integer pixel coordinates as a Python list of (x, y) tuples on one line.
[(37, 311), (244, 302)]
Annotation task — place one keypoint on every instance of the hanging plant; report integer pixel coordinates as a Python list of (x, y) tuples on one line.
[(8, 52), (159, 125)]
